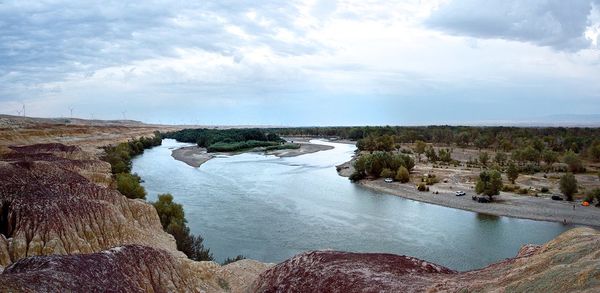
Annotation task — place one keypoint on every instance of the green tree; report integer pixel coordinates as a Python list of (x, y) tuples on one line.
[(489, 183), (550, 157), (172, 218), (568, 185), (500, 158), (445, 155), (129, 185), (403, 175), (387, 173), (484, 158), (512, 172), (572, 160), (419, 148), (430, 154)]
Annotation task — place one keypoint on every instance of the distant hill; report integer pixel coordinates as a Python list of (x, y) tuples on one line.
[(11, 120)]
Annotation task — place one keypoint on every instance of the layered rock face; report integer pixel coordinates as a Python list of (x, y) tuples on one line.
[(62, 228), (569, 263), (130, 268), (47, 206)]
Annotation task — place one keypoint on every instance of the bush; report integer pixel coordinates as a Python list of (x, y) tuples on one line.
[(129, 185), (568, 185), (489, 183), (545, 189), (402, 175), (387, 173), (172, 218), (422, 187), (232, 260), (572, 160), (356, 176), (509, 188), (523, 191)]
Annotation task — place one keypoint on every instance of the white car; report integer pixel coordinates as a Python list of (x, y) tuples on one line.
[(388, 180), (460, 193)]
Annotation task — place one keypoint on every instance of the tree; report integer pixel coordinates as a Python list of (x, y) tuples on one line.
[(172, 218), (445, 155), (572, 160), (403, 175), (232, 260), (387, 173), (419, 148), (549, 157), (512, 172), (489, 183), (430, 154), (484, 158), (568, 185), (129, 185), (500, 158)]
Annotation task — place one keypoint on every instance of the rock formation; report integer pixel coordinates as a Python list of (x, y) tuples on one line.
[(569, 263)]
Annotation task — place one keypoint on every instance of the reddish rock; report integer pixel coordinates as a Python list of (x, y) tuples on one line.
[(335, 271)]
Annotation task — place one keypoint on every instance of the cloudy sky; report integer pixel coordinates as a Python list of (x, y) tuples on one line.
[(301, 62)]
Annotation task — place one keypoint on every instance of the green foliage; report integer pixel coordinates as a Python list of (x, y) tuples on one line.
[(119, 156), (373, 164), (484, 158), (387, 173), (419, 148), (402, 175), (572, 160), (422, 187), (550, 157), (356, 176), (172, 218), (445, 155), (227, 140), (285, 146), (545, 189), (500, 158), (489, 183), (238, 146), (430, 154), (594, 151), (376, 143), (129, 185), (234, 259), (512, 172), (568, 185)]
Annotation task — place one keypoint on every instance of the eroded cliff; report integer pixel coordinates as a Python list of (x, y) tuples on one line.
[(569, 263)]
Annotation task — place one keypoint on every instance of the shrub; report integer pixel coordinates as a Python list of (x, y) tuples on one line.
[(523, 191), (232, 260), (356, 176), (422, 187), (568, 185), (172, 218), (545, 189), (572, 160), (129, 185), (489, 183), (387, 173), (403, 175)]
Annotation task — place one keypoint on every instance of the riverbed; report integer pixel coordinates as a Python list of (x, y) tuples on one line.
[(269, 208)]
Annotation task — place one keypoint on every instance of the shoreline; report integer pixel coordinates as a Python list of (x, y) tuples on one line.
[(195, 156), (505, 204)]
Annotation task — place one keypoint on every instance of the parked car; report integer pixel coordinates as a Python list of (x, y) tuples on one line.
[(388, 180), (556, 197), (460, 193)]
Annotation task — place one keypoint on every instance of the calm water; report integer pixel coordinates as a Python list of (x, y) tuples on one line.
[(270, 208)]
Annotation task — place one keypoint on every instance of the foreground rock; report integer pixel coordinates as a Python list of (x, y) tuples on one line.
[(569, 263), (48, 206), (130, 268)]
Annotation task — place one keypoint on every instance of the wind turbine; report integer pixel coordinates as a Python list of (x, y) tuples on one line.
[(71, 110), (23, 109), (124, 115)]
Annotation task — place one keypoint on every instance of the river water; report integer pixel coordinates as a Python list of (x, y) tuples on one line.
[(268, 208)]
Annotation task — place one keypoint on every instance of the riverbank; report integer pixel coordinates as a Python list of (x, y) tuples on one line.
[(505, 204), (196, 156)]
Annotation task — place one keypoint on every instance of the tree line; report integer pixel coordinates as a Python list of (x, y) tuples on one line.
[(228, 140)]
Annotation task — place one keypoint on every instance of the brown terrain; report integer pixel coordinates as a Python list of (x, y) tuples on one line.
[(63, 227), (569, 263)]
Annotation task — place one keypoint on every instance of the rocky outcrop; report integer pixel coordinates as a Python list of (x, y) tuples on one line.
[(130, 268), (569, 263), (48, 206)]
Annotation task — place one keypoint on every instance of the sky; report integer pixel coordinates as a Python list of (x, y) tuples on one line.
[(301, 63)]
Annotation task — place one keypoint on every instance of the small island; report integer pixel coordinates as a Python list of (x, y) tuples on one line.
[(213, 142)]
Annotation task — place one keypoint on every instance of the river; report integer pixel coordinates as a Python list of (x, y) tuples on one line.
[(269, 209)]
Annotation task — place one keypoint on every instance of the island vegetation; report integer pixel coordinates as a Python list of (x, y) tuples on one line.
[(231, 140)]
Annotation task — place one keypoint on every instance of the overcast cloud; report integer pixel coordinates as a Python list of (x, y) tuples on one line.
[(301, 62)]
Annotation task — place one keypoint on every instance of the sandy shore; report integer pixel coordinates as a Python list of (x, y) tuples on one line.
[(505, 204), (192, 155), (196, 156)]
